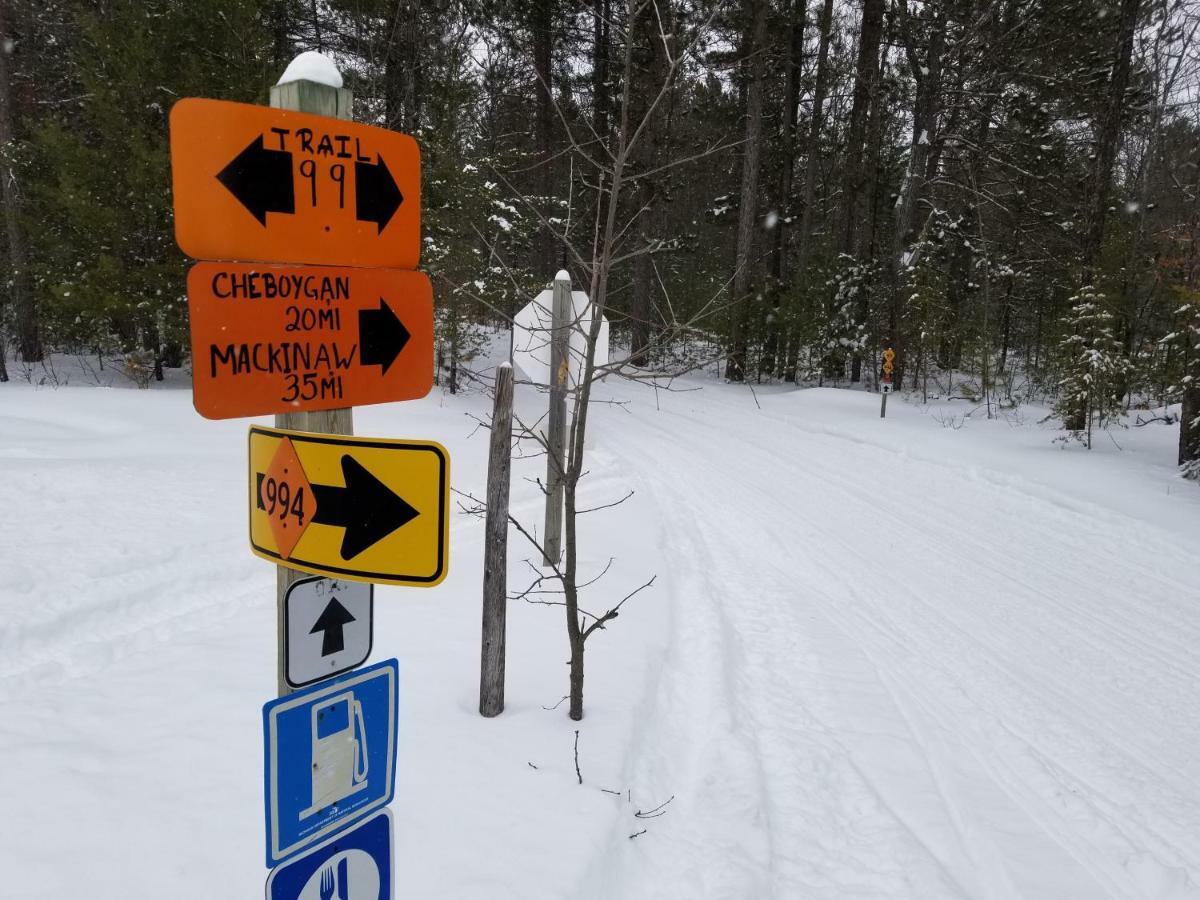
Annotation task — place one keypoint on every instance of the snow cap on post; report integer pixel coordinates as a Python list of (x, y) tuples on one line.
[(562, 275), (312, 66)]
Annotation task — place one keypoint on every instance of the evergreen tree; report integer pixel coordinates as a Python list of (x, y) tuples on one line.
[(923, 289), (1185, 342), (843, 335), (1094, 367), (104, 257)]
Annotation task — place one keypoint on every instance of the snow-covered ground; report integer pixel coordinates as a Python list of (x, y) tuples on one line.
[(881, 658)]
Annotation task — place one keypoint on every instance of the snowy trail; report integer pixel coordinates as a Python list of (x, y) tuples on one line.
[(882, 660), (863, 699)]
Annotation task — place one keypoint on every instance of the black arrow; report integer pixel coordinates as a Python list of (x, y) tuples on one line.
[(381, 335), (261, 180), (366, 507), (376, 196), (330, 623)]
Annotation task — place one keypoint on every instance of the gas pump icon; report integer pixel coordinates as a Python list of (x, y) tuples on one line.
[(339, 752)]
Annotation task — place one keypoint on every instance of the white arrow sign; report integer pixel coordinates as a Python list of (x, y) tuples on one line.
[(329, 628)]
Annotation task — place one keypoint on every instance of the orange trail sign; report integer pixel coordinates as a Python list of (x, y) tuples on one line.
[(278, 339), (257, 183)]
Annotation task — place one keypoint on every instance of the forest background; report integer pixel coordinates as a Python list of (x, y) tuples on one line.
[(1007, 192)]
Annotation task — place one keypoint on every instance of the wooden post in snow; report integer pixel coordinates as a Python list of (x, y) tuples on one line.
[(885, 386), (560, 344), (324, 100), (495, 552)]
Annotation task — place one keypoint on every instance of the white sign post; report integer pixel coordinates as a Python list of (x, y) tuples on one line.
[(550, 336), (533, 328)]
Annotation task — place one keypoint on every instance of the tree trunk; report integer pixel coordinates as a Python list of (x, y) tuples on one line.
[(928, 76), (543, 23), (811, 169), (791, 110), (281, 20), (601, 48), (866, 74), (576, 688), (25, 312), (454, 347), (1108, 135), (1005, 330), (1189, 427), (402, 72), (786, 208), (754, 55), (950, 349), (866, 85), (650, 66)]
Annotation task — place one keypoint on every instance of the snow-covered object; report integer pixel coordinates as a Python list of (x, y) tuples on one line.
[(312, 66), (918, 663), (532, 331)]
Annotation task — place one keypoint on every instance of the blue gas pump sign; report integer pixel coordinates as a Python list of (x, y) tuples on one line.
[(353, 865), (329, 757)]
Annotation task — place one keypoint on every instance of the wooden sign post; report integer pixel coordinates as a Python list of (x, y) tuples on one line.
[(495, 553), (323, 100), (306, 307), (885, 384), (556, 439), (299, 183)]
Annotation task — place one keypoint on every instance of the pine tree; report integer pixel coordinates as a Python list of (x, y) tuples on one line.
[(1185, 342), (923, 293), (842, 335), (1093, 366), (105, 264)]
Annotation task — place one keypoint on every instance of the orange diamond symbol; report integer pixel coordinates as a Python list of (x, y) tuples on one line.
[(285, 495)]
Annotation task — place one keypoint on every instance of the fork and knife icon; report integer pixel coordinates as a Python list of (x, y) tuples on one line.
[(342, 884)]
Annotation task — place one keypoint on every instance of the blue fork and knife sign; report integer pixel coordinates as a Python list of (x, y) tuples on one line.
[(342, 883), (355, 865)]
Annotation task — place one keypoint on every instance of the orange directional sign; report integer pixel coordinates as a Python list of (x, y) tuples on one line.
[(274, 339), (366, 509), (257, 183)]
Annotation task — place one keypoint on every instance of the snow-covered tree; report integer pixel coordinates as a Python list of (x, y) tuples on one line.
[(923, 304), (1094, 367), (842, 334), (1185, 344)]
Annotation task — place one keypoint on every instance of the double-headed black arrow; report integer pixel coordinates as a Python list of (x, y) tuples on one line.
[(262, 181), (330, 624), (381, 336), (367, 508)]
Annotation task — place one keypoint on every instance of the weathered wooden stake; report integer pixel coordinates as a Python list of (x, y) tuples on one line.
[(560, 344), (309, 97), (883, 406), (495, 553)]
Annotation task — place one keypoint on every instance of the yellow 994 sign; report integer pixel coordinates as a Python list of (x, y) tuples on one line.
[(367, 509)]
